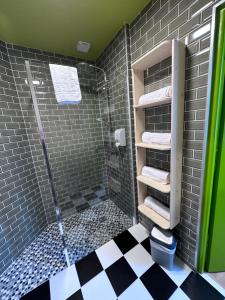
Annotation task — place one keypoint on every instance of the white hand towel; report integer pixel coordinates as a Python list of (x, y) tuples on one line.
[(158, 207), (66, 84), (156, 174), (153, 97), (156, 138)]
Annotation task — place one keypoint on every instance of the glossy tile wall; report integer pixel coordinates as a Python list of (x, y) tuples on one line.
[(190, 22), (22, 215), (73, 134), (115, 60)]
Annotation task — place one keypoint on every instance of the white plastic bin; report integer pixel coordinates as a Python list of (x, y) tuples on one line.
[(163, 247)]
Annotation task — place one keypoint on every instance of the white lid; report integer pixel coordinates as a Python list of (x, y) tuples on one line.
[(165, 237)]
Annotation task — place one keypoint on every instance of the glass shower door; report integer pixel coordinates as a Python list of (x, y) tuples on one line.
[(79, 146)]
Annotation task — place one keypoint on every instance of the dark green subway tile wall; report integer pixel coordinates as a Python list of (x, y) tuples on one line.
[(73, 134), (22, 215), (114, 60)]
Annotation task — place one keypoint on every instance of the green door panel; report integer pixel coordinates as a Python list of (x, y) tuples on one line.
[(212, 233), (215, 259)]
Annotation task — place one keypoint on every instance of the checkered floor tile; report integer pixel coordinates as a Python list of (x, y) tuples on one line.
[(123, 269)]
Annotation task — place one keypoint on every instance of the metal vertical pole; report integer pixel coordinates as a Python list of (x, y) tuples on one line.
[(135, 220), (45, 152)]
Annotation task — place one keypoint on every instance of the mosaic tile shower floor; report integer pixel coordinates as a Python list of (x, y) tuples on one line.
[(83, 200), (85, 232)]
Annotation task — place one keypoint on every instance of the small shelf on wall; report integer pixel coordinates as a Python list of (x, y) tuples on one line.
[(154, 216), (156, 102), (154, 146), (154, 56), (176, 50), (164, 188)]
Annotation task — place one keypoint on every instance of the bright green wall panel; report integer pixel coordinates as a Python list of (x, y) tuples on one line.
[(212, 243), (56, 25), (215, 260)]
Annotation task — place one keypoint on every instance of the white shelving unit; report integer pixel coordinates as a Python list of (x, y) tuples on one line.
[(176, 50), (153, 146), (164, 188), (160, 101)]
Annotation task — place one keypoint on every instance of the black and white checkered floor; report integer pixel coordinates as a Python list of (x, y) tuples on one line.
[(123, 269)]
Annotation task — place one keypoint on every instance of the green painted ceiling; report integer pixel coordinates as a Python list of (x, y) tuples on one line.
[(56, 25)]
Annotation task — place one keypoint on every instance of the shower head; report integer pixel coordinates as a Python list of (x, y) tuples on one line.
[(83, 63), (104, 122)]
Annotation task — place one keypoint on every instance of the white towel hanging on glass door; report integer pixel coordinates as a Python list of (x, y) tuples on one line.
[(66, 84)]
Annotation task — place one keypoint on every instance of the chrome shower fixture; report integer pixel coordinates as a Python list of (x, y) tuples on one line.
[(95, 67)]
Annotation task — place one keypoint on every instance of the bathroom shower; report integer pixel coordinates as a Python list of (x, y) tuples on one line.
[(104, 119), (75, 190), (83, 63), (103, 86), (83, 201)]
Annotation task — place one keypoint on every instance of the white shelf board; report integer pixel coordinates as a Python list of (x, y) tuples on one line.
[(154, 146), (164, 188), (154, 56), (156, 102), (154, 216)]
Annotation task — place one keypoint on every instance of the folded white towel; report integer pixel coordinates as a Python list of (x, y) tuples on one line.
[(155, 96), (66, 84), (156, 138), (156, 174), (158, 207)]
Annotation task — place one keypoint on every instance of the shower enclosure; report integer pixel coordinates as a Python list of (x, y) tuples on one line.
[(78, 147), (85, 182)]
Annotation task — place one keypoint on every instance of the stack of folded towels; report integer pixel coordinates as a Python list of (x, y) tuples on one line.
[(156, 138), (158, 207), (155, 96), (156, 174)]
